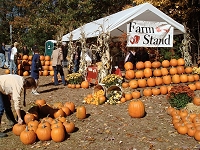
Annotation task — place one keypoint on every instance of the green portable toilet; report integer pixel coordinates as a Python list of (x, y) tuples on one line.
[(49, 47)]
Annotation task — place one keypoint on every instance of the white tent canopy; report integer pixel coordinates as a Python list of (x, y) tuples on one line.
[(116, 23)]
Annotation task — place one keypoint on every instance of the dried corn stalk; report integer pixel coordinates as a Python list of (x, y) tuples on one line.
[(186, 49), (83, 63), (70, 54), (105, 66)]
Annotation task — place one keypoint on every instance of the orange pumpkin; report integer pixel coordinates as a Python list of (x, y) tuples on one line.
[(85, 84), (165, 63), (125, 84), (190, 78), (156, 91), (139, 74), (7, 71), (70, 105), (151, 82), (147, 92), (45, 73), (122, 100), (142, 83), (164, 71), (128, 66), (25, 73), (173, 62), (157, 73), (167, 79), (128, 96), (176, 79), (42, 58), (147, 64), (25, 57), (163, 90), (140, 65), (136, 94), (47, 58), (196, 77), (156, 64), (192, 86), (130, 74), (173, 71), (181, 62), (147, 72), (47, 63), (196, 101), (188, 70), (158, 81), (180, 69), (197, 85), (183, 78), (133, 84), (136, 109)]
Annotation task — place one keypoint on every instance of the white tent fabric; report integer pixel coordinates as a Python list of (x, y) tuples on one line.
[(116, 23)]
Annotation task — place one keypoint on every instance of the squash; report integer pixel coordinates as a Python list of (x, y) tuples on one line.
[(81, 112)]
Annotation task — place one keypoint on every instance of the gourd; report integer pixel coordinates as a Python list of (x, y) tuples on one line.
[(81, 112)]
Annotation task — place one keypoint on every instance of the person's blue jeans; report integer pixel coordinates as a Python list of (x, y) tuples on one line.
[(56, 77), (13, 67), (76, 65), (2, 60), (1, 104)]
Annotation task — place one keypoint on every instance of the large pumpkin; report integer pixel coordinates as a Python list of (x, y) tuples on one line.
[(136, 109), (128, 66)]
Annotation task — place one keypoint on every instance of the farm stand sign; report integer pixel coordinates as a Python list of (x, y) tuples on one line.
[(149, 34)]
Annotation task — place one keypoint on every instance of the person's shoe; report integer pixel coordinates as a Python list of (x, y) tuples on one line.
[(35, 93), (3, 135)]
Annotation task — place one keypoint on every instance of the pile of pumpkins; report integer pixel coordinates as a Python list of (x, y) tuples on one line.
[(185, 121), (24, 65), (44, 122), (154, 78)]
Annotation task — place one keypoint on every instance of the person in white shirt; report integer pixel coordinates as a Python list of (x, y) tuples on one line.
[(11, 87), (13, 55)]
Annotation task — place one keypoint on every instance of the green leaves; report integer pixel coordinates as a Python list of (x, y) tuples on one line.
[(180, 100)]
